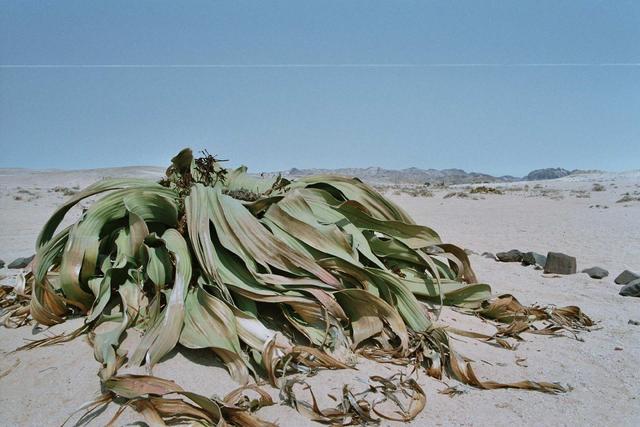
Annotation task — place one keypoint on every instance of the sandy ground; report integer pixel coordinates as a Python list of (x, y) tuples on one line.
[(43, 386)]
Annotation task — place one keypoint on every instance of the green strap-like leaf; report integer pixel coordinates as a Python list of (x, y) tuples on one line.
[(164, 334)]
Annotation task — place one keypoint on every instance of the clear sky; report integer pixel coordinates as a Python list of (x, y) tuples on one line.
[(280, 84)]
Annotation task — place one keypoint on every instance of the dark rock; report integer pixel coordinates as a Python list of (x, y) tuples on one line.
[(559, 263), (488, 255), (470, 252), (634, 322), (534, 258), (596, 272), (631, 289), (626, 276), (21, 262), (513, 255), (1, 263)]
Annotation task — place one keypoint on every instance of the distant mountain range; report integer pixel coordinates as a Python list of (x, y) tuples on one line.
[(374, 175), (432, 176)]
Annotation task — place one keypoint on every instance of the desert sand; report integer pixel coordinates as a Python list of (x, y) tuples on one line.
[(42, 387)]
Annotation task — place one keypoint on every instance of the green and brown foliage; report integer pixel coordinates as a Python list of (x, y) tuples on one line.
[(273, 276)]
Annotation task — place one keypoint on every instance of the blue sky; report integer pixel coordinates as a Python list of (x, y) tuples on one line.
[(529, 83)]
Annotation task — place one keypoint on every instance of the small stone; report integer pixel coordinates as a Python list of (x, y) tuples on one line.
[(21, 262), (559, 263), (470, 252), (634, 322), (534, 258), (626, 276), (1, 263), (596, 272), (488, 255), (631, 289), (513, 255)]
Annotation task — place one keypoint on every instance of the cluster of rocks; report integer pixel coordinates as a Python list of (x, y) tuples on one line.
[(630, 282), (554, 262), (559, 263)]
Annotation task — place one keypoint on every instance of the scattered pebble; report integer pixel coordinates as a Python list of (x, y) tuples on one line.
[(634, 322), (596, 272), (626, 276), (21, 262), (559, 263), (534, 258), (631, 289), (513, 255)]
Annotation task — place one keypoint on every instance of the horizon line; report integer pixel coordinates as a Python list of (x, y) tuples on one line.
[(468, 171)]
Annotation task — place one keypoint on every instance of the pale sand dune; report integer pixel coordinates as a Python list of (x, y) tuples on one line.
[(47, 384)]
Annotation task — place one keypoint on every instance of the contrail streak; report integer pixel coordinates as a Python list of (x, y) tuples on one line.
[(343, 65)]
